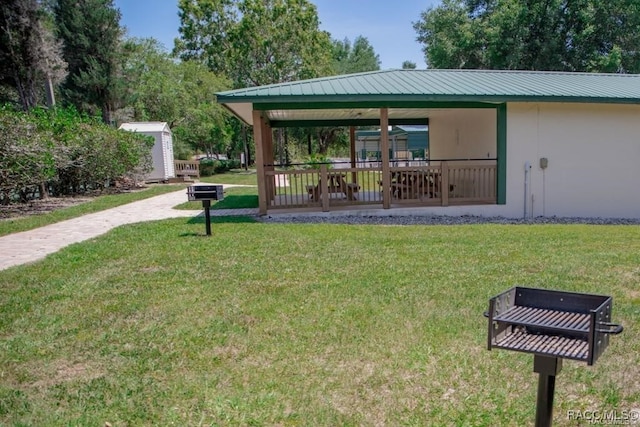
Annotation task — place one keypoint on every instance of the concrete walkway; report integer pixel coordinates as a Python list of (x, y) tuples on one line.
[(33, 245)]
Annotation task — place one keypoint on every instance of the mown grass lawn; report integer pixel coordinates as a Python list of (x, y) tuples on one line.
[(298, 325), (234, 198), (235, 176)]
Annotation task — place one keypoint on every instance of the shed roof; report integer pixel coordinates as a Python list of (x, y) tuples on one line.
[(426, 89), (146, 126)]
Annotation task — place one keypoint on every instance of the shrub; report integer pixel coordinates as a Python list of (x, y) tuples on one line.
[(26, 160), (63, 152), (315, 160), (209, 167)]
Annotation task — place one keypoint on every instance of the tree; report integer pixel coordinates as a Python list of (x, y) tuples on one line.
[(29, 53), (206, 28), (408, 65), (358, 58), (179, 93), (566, 35), (91, 32), (254, 42)]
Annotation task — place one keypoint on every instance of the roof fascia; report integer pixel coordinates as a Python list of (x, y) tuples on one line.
[(267, 106), (344, 122)]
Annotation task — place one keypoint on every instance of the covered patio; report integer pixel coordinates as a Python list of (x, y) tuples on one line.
[(465, 164)]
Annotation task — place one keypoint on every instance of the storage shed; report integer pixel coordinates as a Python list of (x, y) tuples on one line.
[(162, 152)]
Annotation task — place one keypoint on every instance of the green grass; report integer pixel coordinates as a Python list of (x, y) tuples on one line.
[(299, 325), (96, 204), (236, 176), (234, 198)]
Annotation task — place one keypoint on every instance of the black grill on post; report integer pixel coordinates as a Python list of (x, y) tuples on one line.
[(552, 325), (205, 193)]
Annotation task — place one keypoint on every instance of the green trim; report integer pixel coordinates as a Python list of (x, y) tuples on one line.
[(501, 116), (345, 122), (394, 101), (268, 106), (323, 123)]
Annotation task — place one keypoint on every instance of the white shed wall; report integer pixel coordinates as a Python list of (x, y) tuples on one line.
[(167, 144), (162, 151)]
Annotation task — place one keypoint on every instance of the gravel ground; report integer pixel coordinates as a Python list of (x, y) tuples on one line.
[(439, 220)]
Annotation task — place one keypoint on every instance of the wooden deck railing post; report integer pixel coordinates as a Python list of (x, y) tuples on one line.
[(324, 188), (352, 153), (444, 185)]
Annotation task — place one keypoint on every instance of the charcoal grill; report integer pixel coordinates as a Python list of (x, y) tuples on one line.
[(553, 325), (205, 193)]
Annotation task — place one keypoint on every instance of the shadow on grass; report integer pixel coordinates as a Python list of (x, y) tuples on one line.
[(216, 220), (239, 201), (239, 219)]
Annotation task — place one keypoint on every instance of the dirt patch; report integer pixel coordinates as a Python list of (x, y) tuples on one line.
[(36, 207), (63, 371), (50, 204)]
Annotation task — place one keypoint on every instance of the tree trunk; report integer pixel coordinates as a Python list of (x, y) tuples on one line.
[(44, 194)]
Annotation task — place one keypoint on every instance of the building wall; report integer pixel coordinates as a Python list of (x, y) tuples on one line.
[(462, 134), (593, 153)]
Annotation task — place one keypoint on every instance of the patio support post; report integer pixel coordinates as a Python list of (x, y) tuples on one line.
[(384, 147), (269, 155), (259, 127), (352, 152), (501, 178)]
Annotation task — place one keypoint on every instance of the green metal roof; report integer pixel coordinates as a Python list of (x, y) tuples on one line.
[(415, 89)]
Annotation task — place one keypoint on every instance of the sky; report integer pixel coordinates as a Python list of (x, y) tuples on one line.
[(386, 24)]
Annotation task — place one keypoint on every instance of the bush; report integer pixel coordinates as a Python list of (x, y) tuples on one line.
[(315, 160), (26, 160), (64, 153), (209, 167)]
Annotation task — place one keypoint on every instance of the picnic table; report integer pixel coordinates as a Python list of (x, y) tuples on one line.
[(413, 184), (336, 184)]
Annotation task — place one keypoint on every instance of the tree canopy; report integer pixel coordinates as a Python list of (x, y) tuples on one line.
[(254, 42), (563, 35), (29, 52), (356, 58), (90, 30)]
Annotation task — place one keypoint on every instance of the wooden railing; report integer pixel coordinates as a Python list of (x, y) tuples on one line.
[(459, 182), (186, 169)]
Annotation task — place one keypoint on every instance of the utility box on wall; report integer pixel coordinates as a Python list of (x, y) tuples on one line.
[(162, 151)]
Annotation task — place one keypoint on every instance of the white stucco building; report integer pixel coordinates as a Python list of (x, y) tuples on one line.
[(507, 143)]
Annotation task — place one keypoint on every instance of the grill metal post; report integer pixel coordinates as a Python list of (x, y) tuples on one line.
[(206, 204), (547, 367)]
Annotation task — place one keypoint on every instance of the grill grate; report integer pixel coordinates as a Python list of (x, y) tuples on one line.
[(544, 318), (551, 345)]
